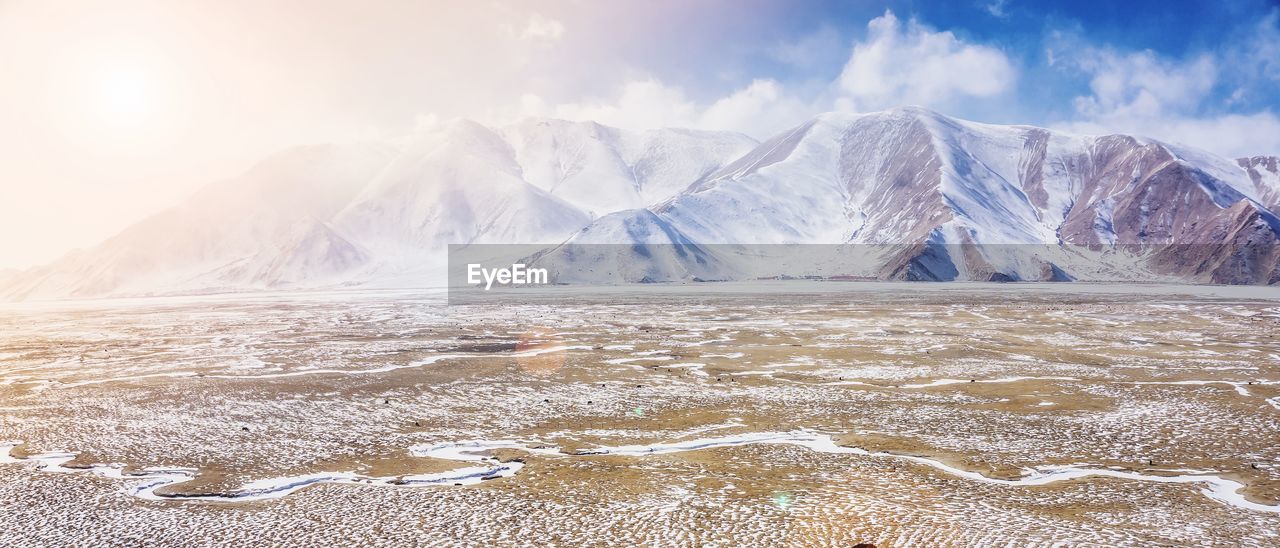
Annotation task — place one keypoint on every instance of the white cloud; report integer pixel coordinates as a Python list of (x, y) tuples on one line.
[(542, 28), (760, 109), (1264, 45), (900, 63), (1255, 62), (896, 65), (1145, 94), (1231, 136), (997, 8), (639, 104), (1141, 84), (809, 50), (912, 64), (426, 121)]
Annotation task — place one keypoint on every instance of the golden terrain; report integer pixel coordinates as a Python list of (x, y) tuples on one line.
[(997, 380)]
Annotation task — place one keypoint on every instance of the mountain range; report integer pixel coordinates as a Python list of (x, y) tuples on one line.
[(917, 194)]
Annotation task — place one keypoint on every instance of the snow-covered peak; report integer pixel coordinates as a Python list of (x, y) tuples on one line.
[(908, 173), (633, 226), (1263, 173), (906, 178), (601, 169)]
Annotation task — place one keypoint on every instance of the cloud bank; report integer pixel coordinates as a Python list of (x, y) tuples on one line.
[(908, 62), (1186, 100), (898, 63)]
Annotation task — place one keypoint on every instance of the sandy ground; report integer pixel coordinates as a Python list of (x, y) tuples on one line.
[(1001, 381)]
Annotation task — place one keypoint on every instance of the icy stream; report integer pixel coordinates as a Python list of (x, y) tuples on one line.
[(149, 480)]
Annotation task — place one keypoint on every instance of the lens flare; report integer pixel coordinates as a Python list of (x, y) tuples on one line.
[(538, 352), (783, 500)]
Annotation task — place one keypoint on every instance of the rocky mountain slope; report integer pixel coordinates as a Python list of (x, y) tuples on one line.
[(900, 194), (383, 213), (930, 197)]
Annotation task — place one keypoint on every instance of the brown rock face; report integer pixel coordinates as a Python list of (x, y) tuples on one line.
[(1264, 173), (947, 199), (1239, 246), (936, 197), (904, 202)]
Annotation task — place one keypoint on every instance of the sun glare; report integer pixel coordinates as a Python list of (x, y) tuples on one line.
[(123, 96)]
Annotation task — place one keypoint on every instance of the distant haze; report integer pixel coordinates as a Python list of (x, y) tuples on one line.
[(114, 111)]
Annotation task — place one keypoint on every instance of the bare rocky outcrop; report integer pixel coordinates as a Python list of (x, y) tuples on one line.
[(947, 199), (1264, 173), (929, 197)]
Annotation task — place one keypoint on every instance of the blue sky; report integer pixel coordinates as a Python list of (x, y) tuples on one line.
[(1202, 73), (1027, 31), (117, 110)]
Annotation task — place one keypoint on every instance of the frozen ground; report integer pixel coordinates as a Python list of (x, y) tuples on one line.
[(896, 414)]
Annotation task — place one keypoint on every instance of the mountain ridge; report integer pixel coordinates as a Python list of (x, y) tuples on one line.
[(374, 213), (911, 177), (338, 215)]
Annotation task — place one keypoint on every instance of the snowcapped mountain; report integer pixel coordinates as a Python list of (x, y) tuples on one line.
[(653, 251), (265, 228), (383, 213), (910, 175), (932, 197), (900, 194), (460, 184), (1264, 172), (600, 169)]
